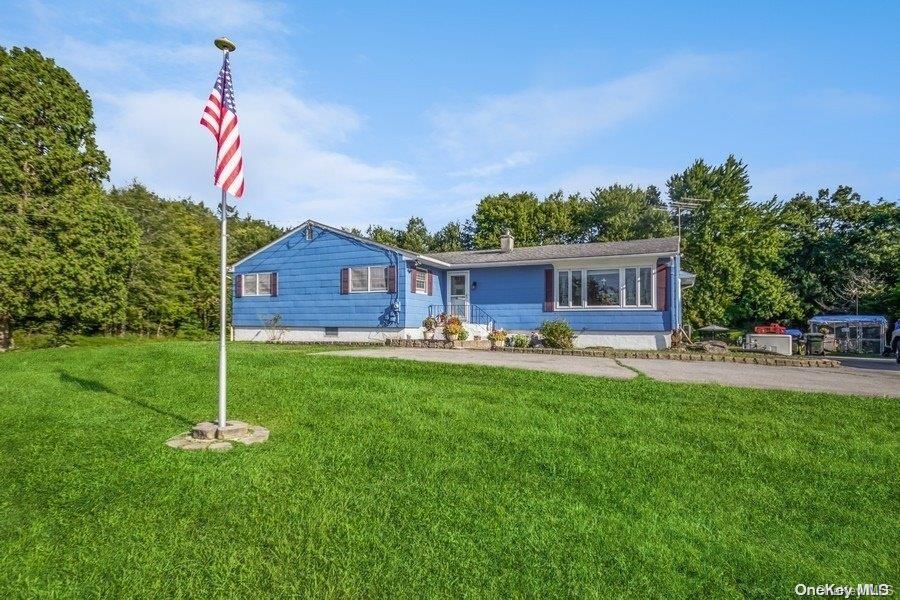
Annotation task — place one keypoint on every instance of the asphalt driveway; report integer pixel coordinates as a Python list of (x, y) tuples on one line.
[(850, 379)]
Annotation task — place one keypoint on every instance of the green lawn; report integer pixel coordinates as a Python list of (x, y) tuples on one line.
[(400, 479)]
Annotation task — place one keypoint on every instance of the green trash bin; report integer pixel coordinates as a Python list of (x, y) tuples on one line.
[(815, 344)]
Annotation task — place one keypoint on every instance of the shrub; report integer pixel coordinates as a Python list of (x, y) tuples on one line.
[(429, 323), (557, 334), (463, 334), (520, 341)]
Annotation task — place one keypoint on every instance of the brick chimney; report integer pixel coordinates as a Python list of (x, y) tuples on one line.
[(506, 241)]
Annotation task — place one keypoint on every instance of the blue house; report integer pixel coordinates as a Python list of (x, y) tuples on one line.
[(319, 283)]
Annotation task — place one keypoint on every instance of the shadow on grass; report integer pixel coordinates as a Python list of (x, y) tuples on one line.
[(90, 385)]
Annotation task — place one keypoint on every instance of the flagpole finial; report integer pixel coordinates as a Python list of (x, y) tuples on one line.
[(223, 43)]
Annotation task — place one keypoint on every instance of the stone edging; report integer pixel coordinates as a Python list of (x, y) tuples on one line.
[(440, 343), (686, 356)]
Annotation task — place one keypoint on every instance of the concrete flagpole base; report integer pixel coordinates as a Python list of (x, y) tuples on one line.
[(209, 436)]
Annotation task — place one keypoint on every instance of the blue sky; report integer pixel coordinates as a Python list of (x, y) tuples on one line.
[(354, 113)]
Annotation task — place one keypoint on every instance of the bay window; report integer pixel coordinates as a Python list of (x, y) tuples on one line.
[(624, 287), (603, 288)]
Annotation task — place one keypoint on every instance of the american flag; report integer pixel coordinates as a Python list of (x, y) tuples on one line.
[(220, 117)]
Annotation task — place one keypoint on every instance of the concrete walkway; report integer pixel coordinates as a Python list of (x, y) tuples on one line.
[(843, 380)]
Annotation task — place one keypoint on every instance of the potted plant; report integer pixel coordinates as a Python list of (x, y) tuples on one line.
[(430, 323), (497, 337), (453, 328)]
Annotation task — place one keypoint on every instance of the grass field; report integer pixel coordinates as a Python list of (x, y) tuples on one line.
[(402, 479)]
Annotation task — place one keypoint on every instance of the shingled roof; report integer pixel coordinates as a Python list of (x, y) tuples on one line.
[(667, 245)]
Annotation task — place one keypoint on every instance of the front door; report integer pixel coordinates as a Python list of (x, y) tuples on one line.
[(458, 294)]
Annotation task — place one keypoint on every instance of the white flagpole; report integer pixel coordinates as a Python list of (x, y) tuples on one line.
[(225, 45), (223, 301)]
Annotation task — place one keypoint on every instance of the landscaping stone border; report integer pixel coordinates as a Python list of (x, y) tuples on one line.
[(683, 356), (444, 344), (209, 436)]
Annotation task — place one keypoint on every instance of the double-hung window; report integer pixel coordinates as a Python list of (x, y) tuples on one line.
[(624, 287), (256, 284), (368, 279), (421, 281)]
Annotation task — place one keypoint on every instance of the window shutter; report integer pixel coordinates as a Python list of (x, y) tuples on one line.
[(412, 280), (548, 290), (392, 280), (662, 285), (273, 283), (430, 284), (345, 280), (238, 286)]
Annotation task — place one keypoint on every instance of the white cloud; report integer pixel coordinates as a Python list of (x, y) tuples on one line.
[(156, 137), (542, 120), (113, 55), (514, 160)]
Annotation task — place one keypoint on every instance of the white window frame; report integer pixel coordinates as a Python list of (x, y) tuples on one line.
[(255, 292), (415, 273), (368, 289), (584, 296)]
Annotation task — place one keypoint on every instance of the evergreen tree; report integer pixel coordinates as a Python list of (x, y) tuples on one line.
[(838, 236), (46, 128), (622, 212), (562, 219), (732, 246), (520, 213), (69, 244), (450, 238), (415, 237), (382, 235)]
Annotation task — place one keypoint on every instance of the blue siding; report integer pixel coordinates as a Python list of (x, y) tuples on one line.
[(309, 292), (415, 306), (514, 297), (309, 286)]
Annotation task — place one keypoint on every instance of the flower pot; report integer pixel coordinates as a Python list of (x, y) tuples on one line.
[(452, 337), (429, 334)]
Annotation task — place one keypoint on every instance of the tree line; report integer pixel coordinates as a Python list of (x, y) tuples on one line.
[(77, 257), (754, 261)]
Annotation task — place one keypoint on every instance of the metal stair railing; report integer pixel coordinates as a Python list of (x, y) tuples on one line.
[(467, 313)]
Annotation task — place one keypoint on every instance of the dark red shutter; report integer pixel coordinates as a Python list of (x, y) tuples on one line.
[(238, 286), (392, 280), (345, 280), (412, 280), (273, 282), (430, 284), (662, 285), (548, 290)]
